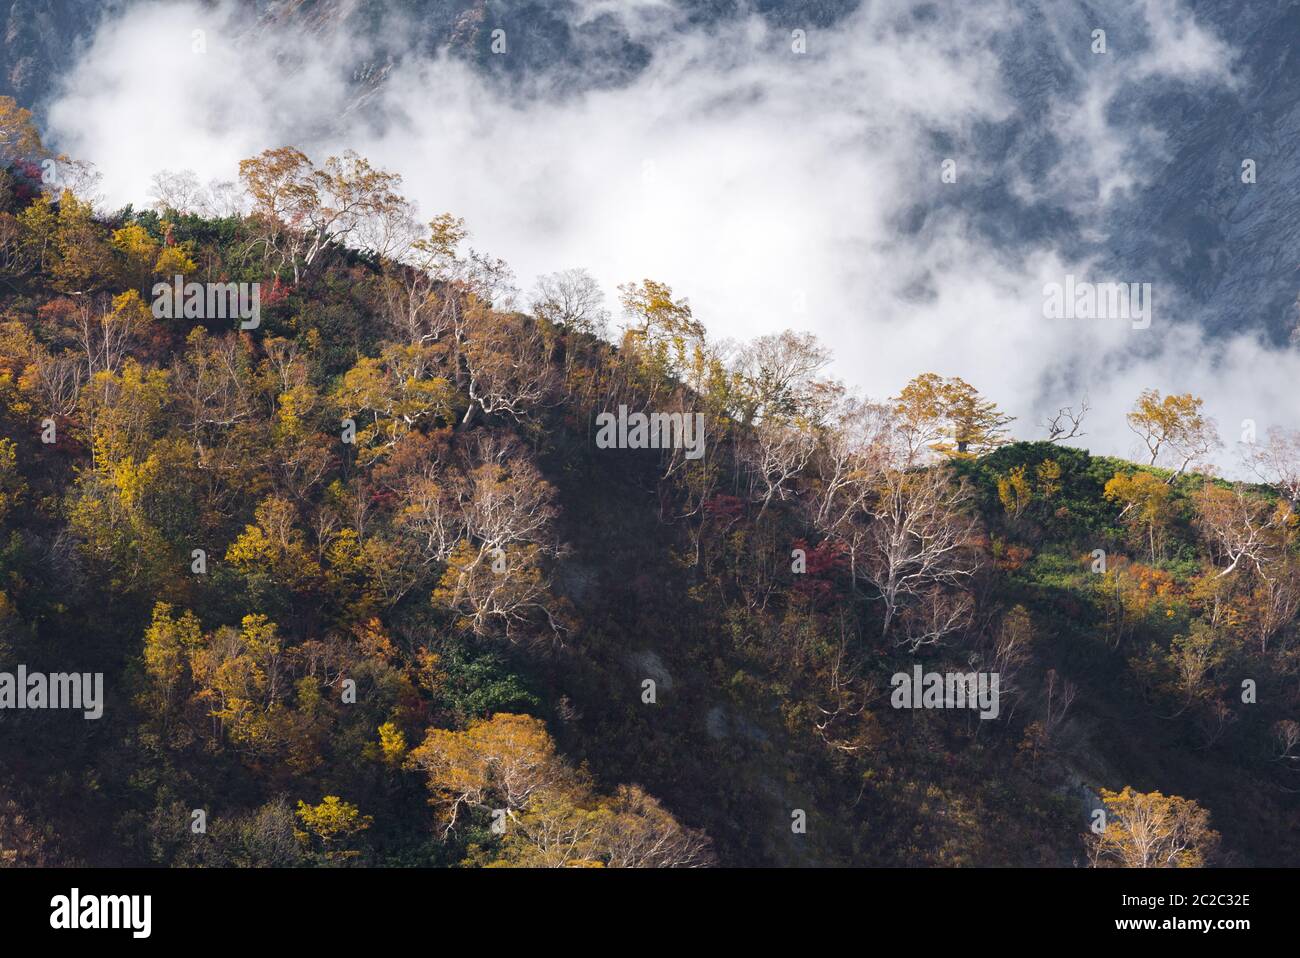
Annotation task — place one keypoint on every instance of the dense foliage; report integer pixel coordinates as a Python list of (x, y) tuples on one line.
[(365, 590)]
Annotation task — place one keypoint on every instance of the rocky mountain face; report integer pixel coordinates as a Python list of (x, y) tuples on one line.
[(1226, 249), (1231, 247), (41, 39)]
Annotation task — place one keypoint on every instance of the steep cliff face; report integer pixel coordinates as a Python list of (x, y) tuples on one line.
[(40, 40), (1228, 246), (556, 45), (1222, 249)]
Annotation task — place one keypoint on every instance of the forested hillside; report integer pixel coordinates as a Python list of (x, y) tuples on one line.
[(366, 589)]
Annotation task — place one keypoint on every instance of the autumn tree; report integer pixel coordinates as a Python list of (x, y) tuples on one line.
[(389, 395), (1015, 491), (19, 138), (242, 679), (169, 643), (84, 260), (508, 759), (1184, 673), (12, 486), (629, 830), (174, 260), (38, 223), (219, 403), (303, 209), (1151, 830), (656, 316), (24, 843), (950, 417), (507, 365), (1144, 506), (330, 826), (661, 329), (273, 550), (1132, 595), (392, 744), (132, 509), (304, 450), (138, 252), (1048, 476), (550, 814), (1173, 429)]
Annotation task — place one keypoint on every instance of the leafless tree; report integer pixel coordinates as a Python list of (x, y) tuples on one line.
[(58, 379), (1286, 738), (1059, 695), (853, 452), (105, 335), (508, 602), (181, 191), (775, 453), (1277, 462), (573, 299), (177, 190), (224, 199), (1011, 649), (1237, 525), (15, 255), (919, 553), (495, 498), (780, 380), (1275, 600), (285, 359), (502, 497), (847, 702), (212, 384), (1067, 423), (491, 280)]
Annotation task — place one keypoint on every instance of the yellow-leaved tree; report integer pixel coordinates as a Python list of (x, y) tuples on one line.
[(19, 138), (1173, 429), (329, 826), (1151, 830), (1144, 506), (546, 812), (950, 417)]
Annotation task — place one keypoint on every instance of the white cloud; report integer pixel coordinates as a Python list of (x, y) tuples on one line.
[(737, 171)]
